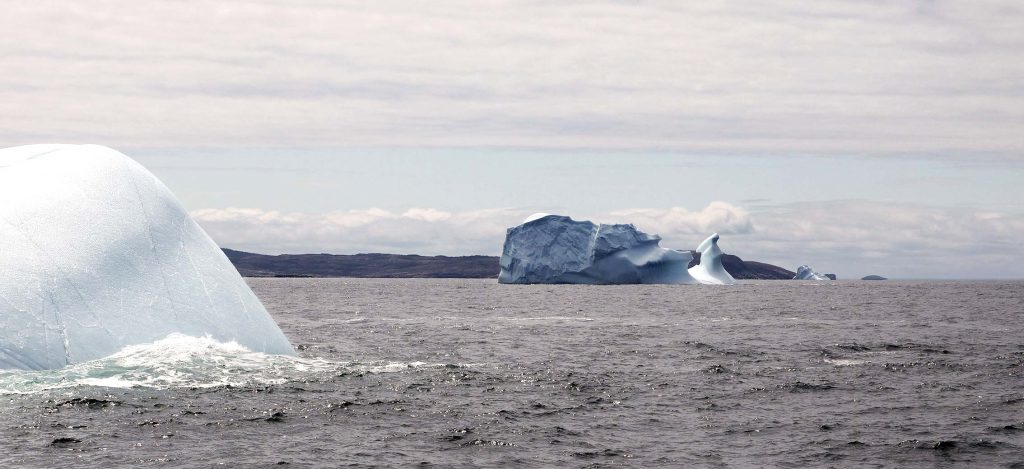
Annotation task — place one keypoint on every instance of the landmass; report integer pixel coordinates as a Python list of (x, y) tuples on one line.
[(415, 266), (874, 277), (363, 265)]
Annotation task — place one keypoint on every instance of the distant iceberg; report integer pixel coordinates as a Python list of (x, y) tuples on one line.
[(710, 270), (557, 249), (98, 255), (805, 272)]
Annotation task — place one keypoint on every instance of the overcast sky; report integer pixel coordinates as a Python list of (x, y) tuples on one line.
[(858, 137)]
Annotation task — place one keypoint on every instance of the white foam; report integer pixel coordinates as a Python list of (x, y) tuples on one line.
[(844, 361), (185, 361), (548, 318)]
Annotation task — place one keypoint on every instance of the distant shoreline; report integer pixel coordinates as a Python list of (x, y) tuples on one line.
[(374, 265), (416, 266)]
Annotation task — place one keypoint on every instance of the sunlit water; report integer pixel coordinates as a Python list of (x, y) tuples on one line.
[(471, 373)]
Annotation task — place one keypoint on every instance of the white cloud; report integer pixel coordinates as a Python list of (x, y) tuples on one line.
[(417, 230), (718, 217), (764, 77), (891, 239), (852, 238), (426, 214)]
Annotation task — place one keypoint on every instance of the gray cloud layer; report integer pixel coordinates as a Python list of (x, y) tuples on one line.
[(852, 238), (920, 77), (936, 79)]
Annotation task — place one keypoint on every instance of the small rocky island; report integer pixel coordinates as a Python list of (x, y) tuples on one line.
[(874, 277)]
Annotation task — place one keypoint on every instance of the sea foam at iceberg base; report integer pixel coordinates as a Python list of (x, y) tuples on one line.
[(557, 249), (98, 255), (181, 361)]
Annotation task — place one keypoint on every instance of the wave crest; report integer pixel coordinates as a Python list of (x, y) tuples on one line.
[(185, 361)]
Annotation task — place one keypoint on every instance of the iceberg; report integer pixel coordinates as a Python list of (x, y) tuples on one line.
[(710, 271), (805, 272), (557, 249), (98, 255)]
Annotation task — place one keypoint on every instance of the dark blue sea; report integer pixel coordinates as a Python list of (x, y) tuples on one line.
[(469, 373)]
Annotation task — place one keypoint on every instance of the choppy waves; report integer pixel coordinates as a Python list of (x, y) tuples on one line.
[(181, 361)]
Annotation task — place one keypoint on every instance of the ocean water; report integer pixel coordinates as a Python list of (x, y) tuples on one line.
[(471, 373)]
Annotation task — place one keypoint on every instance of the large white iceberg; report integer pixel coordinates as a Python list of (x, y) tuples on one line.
[(710, 270), (96, 254), (805, 272), (557, 249)]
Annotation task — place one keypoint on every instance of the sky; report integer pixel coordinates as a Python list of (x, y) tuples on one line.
[(858, 137)]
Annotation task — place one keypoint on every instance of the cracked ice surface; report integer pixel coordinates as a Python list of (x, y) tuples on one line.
[(96, 254), (557, 249)]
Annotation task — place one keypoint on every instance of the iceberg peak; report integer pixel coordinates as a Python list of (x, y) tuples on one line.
[(99, 255), (710, 270), (536, 216)]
